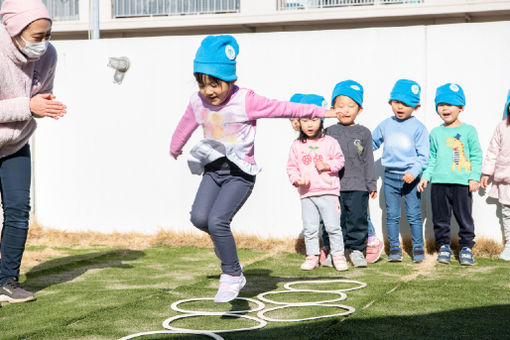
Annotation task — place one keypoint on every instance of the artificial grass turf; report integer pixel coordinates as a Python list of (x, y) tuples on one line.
[(110, 293)]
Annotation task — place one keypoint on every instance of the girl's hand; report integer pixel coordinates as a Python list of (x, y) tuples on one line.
[(301, 183), (322, 166), (44, 105), (484, 181), (331, 113), (408, 178), (473, 186), (422, 185), (175, 155), (373, 194)]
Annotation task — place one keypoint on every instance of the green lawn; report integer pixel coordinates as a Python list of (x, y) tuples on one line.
[(108, 294)]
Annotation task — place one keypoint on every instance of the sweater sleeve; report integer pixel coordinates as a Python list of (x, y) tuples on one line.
[(262, 107), (336, 159), (15, 110), (475, 156), (293, 164), (187, 125), (51, 54), (428, 173), (489, 163), (377, 137), (368, 160), (421, 140)]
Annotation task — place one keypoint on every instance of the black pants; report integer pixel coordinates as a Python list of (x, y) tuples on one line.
[(456, 197), (353, 219)]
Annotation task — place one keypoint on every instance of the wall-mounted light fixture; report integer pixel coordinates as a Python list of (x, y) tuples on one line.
[(120, 65)]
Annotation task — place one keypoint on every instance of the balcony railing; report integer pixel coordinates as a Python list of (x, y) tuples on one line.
[(61, 9), (147, 8), (284, 5)]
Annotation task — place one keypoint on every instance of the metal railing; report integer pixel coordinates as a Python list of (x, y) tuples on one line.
[(147, 8), (284, 5), (61, 9)]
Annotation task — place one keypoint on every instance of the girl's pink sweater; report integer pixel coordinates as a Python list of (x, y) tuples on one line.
[(20, 80), (301, 166), (497, 163)]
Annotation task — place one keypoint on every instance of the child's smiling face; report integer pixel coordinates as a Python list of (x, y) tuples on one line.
[(401, 110), (449, 113), (349, 110), (214, 91)]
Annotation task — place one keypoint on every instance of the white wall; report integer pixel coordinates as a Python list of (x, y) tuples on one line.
[(105, 167)]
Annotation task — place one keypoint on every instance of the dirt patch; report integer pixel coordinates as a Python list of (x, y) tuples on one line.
[(423, 268), (32, 258)]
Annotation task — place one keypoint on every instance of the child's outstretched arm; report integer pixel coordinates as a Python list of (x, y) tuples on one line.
[(261, 107), (183, 132)]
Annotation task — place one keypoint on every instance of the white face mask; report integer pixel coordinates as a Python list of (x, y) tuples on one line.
[(33, 49)]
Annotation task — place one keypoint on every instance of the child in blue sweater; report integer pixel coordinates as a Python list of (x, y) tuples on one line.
[(405, 156)]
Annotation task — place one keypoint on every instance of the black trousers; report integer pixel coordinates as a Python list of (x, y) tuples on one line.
[(353, 219), (456, 197)]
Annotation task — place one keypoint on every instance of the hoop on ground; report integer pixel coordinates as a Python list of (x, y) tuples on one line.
[(361, 285), (259, 304), (132, 336), (343, 296), (167, 322), (349, 309)]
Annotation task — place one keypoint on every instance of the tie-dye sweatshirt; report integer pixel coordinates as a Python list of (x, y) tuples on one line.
[(234, 123), (406, 145)]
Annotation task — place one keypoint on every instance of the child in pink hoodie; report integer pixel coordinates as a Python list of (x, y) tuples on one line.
[(228, 115), (497, 165), (314, 162)]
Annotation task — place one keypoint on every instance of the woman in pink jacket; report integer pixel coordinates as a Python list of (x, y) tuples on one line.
[(27, 67), (497, 165)]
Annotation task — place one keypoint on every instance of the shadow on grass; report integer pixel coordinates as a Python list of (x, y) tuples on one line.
[(64, 269)]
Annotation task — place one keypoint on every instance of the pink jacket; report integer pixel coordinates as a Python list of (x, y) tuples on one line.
[(497, 158), (301, 166), (20, 80), (231, 127)]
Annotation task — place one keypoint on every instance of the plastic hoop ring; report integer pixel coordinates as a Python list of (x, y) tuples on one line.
[(361, 285), (259, 304), (349, 309), (132, 336), (343, 296), (166, 323)]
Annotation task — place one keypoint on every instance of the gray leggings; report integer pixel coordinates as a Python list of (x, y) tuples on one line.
[(222, 192), (313, 209)]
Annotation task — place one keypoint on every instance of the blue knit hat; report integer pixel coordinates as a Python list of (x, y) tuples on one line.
[(451, 94), (216, 57), (505, 113), (406, 91), (349, 88), (309, 99)]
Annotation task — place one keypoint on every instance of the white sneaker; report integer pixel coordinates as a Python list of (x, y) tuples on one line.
[(505, 254), (229, 289)]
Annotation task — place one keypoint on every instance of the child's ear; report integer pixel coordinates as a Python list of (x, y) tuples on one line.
[(417, 107), (461, 107), (360, 109)]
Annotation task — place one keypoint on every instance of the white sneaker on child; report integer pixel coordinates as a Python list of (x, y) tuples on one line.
[(229, 289), (505, 254)]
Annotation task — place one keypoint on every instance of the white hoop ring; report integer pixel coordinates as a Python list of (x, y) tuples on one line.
[(260, 306), (349, 309), (361, 285), (166, 323), (132, 336), (343, 296)]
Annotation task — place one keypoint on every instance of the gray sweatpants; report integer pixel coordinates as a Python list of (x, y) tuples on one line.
[(505, 217), (313, 209)]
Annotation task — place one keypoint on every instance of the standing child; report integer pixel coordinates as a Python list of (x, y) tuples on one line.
[(497, 165), (228, 117), (314, 162), (357, 180), (405, 155), (454, 171)]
